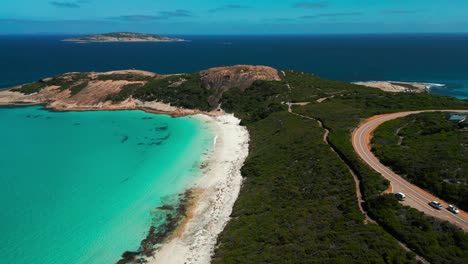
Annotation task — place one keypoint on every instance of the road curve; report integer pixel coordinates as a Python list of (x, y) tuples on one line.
[(415, 196)]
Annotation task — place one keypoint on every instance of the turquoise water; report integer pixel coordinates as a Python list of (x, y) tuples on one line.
[(79, 187)]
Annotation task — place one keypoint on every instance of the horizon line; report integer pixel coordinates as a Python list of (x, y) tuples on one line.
[(245, 34)]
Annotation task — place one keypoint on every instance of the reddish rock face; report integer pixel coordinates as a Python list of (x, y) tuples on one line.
[(240, 76)]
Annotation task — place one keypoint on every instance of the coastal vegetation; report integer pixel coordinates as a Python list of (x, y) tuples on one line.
[(298, 201), (435, 240), (179, 90), (66, 81), (428, 150), (31, 88), (275, 192), (257, 102), (74, 81), (77, 88), (131, 77), (125, 92)]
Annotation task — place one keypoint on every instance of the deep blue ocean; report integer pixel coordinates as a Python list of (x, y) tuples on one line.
[(424, 58)]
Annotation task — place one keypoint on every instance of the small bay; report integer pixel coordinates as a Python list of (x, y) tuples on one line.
[(80, 187)]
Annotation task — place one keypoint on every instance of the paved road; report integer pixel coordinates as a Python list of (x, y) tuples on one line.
[(415, 196)]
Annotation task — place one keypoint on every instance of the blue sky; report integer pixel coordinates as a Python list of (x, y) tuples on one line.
[(233, 17)]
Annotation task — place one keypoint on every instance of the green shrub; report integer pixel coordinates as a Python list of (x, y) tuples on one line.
[(179, 90), (126, 92), (131, 77), (31, 88), (77, 88)]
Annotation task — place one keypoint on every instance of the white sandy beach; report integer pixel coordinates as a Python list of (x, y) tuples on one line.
[(396, 86), (217, 191)]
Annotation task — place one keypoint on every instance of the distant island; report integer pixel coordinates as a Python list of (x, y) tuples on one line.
[(123, 37)]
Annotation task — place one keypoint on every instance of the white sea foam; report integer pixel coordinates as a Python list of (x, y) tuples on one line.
[(434, 85)]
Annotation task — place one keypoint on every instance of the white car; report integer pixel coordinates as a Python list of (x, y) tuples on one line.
[(453, 209), (400, 196), (436, 205)]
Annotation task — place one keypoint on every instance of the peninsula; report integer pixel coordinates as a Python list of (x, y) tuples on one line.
[(123, 37), (135, 89)]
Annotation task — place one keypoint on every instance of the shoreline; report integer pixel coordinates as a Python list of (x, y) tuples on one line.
[(397, 86), (158, 109), (215, 192), (208, 201)]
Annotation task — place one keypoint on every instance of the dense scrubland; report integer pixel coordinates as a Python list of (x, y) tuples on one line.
[(298, 203), (428, 150), (438, 242), (75, 82)]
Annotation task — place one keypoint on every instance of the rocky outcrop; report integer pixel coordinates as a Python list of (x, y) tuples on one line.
[(221, 79), (240, 76)]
